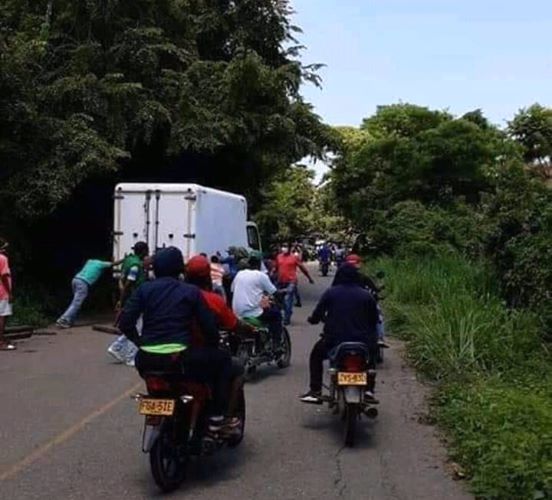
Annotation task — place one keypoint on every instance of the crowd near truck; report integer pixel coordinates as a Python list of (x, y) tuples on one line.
[(193, 218)]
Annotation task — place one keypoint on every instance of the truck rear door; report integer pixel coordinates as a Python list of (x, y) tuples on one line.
[(172, 218), (133, 221)]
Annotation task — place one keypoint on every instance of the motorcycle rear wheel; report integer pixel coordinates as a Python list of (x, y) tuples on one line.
[(168, 463), (285, 358), (351, 413)]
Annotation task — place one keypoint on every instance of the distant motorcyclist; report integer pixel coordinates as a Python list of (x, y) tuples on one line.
[(349, 314), (324, 258), (340, 253), (170, 310)]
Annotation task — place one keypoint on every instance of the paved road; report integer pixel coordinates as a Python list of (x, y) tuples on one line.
[(69, 431)]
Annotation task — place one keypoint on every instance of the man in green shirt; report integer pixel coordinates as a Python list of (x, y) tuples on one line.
[(133, 274), (85, 278)]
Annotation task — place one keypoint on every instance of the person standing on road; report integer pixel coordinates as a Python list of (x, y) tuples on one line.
[(299, 254), (6, 296), (286, 271), (133, 274), (83, 280), (217, 276)]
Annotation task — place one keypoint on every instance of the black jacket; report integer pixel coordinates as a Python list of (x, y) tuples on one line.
[(170, 307), (348, 311)]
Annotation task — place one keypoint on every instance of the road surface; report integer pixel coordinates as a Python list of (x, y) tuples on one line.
[(68, 430)]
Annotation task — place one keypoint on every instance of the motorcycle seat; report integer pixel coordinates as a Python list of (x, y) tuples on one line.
[(347, 347)]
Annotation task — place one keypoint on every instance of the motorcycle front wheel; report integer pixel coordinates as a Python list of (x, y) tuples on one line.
[(168, 461), (285, 358)]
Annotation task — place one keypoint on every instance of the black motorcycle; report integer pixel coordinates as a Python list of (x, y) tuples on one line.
[(259, 347), (176, 424), (346, 395)]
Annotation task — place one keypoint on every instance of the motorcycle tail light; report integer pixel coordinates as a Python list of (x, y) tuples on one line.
[(354, 363), (156, 384)]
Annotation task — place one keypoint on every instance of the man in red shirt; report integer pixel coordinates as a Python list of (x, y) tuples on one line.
[(198, 272), (5, 295), (286, 272)]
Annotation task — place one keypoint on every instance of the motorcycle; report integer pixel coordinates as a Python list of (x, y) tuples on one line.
[(176, 424), (258, 348), (350, 378)]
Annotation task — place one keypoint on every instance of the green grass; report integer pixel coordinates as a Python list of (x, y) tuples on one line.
[(492, 369)]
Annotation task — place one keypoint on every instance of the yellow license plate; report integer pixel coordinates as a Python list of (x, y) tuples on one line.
[(345, 378), (164, 407)]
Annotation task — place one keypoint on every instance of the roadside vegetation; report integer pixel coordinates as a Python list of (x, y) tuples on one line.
[(458, 213)]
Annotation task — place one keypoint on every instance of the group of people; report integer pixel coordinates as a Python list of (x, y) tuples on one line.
[(170, 314)]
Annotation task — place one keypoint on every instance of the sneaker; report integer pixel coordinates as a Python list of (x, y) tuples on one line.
[(382, 343), (218, 425), (370, 398), (116, 351), (63, 324), (312, 397)]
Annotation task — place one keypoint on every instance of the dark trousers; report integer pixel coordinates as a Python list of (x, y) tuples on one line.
[(207, 365), (320, 352), (272, 318)]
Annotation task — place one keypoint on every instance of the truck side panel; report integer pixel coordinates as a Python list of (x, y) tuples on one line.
[(219, 222)]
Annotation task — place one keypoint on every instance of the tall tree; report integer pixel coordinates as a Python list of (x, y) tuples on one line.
[(532, 128), (96, 85)]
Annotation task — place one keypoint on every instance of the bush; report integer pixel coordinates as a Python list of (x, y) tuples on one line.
[(411, 228), (459, 324), (494, 375), (33, 305), (502, 434)]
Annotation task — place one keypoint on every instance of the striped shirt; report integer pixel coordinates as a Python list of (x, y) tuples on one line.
[(217, 272)]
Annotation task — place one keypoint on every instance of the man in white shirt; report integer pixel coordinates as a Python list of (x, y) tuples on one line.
[(250, 289)]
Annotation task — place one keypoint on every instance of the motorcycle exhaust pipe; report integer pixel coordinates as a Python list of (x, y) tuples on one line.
[(371, 412)]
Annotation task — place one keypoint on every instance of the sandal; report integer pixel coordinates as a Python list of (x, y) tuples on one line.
[(7, 347)]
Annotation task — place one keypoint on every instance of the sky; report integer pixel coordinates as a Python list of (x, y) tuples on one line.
[(458, 55)]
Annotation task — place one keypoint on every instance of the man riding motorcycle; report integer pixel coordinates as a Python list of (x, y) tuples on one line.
[(170, 309), (251, 289), (349, 314), (198, 273), (367, 283)]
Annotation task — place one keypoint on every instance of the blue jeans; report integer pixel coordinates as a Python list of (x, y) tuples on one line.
[(80, 292), (289, 300)]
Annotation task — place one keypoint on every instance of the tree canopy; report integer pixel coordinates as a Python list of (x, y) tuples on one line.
[(87, 88)]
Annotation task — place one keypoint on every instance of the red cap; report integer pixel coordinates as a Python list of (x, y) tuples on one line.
[(353, 259), (198, 266)]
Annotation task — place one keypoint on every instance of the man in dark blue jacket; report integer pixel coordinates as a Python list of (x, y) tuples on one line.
[(171, 309), (349, 314)]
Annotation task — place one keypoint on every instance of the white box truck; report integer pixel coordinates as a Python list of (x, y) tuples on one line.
[(193, 218)]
